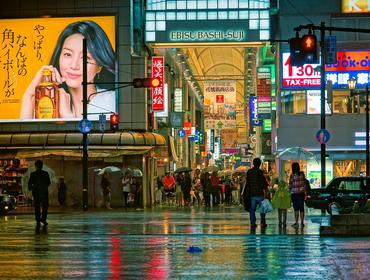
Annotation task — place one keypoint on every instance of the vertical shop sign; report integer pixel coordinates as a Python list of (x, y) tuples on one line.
[(164, 112), (212, 141), (187, 128), (253, 116), (158, 92), (264, 92), (178, 100)]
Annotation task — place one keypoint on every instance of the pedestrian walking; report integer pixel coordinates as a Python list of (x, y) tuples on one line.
[(282, 201), (62, 191), (105, 185), (126, 187), (196, 188), (228, 191), (297, 188), (39, 183), (215, 189), (256, 187), (207, 188), (187, 188)]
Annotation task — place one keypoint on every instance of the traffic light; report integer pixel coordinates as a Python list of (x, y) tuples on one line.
[(146, 82), (303, 50), (309, 49), (114, 121), (295, 45)]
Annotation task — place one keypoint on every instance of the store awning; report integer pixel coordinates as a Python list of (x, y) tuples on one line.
[(30, 145)]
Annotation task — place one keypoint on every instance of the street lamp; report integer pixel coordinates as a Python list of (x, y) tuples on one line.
[(352, 86)]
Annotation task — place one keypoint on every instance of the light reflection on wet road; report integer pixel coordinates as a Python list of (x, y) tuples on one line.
[(153, 244)]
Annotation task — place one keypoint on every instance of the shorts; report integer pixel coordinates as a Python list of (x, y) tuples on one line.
[(298, 201)]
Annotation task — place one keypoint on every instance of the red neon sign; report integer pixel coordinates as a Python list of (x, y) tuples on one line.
[(158, 92)]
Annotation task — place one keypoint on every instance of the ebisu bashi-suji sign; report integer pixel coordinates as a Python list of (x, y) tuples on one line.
[(158, 92), (188, 22), (350, 64)]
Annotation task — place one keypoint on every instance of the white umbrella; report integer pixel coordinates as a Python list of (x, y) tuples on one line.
[(109, 169), (26, 177), (296, 153)]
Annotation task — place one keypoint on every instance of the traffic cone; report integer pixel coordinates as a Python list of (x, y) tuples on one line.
[(356, 207), (367, 207)]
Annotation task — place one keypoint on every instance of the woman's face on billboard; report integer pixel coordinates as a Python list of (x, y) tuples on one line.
[(70, 62)]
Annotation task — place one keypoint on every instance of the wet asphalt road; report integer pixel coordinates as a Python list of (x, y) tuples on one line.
[(154, 244)]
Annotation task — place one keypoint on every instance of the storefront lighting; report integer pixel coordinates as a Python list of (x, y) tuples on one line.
[(352, 86)]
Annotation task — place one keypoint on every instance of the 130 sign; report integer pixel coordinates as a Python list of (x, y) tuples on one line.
[(299, 76)]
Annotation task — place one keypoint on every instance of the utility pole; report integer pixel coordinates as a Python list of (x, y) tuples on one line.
[(322, 103), (85, 157)]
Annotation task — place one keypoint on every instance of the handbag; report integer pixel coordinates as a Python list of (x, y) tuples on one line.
[(266, 206)]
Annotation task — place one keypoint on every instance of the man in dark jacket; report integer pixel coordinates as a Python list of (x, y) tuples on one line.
[(256, 188), (38, 184)]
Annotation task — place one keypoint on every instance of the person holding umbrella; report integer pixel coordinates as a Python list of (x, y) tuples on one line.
[(105, 185)]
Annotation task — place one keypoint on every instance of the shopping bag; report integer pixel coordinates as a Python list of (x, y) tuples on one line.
[(266, 206)]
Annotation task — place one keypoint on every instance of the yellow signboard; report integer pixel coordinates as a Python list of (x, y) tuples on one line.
[(355, 6), (41, 60)]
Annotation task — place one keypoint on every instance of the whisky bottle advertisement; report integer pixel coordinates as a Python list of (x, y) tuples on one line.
[(46, 98)]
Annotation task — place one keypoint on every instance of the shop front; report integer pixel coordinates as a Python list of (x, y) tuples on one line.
[(62, 157)]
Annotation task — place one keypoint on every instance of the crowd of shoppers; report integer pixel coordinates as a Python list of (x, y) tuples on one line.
[(251, 189)]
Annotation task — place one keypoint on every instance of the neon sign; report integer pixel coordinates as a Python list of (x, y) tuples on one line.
[(158, 92), (212, 35)]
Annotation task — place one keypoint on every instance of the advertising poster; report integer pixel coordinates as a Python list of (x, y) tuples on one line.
[(314, 102), (41, 68), (350, 64), (229, 140), (219, 104), (314, 173)]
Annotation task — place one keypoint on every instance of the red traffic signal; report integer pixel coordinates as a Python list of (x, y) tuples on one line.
[(114, 121), (309, 48), (146, 82)]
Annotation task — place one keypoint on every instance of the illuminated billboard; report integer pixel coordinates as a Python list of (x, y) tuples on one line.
[(41, 68)]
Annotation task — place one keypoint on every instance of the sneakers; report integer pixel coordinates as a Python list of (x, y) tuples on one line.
[(295, 225)]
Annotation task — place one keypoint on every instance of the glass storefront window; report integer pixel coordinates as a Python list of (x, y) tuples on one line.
[(233, 15), (212, 4), (181, 16), (243, 3), (171, 5), (293, 102), (160, 25), (253, 24), (171, 16), (233, 3), (346, 168), (264, 34), (344, 104), (243, 14), (202, 15), (202, 4), (253, 14), (150, 25), (264, 24), (298, 102), (192, 5), (222, 15), (191, 16), (181, 5), (212, 15), (222, 4)]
